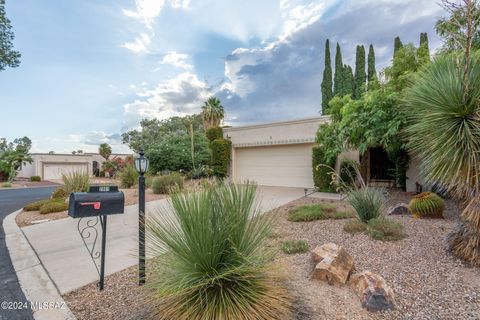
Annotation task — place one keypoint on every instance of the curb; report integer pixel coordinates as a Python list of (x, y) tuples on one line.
[(32, 276)]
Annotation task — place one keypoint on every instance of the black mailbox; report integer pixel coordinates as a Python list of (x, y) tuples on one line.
[(100, 200)]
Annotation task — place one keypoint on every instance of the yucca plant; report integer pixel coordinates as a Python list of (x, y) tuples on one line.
[(76, 181), (211, 260), (444, 132), (368, 202), (427, 205)]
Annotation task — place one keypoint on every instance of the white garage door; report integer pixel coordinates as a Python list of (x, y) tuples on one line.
[(283, 166), (53, 171)]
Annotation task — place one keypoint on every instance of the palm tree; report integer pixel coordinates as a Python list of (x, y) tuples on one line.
[(444, 131), (212, 113), (105, 150)]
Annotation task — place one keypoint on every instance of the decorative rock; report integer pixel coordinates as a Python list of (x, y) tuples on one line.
[(334, 264), (373, 291), (401, 208)]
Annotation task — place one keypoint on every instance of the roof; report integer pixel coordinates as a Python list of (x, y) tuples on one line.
[(278, 123)]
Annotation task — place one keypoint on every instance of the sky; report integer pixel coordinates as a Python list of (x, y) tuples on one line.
[(91, 69)]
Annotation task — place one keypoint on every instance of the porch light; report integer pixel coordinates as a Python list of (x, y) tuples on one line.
[(141, 163)]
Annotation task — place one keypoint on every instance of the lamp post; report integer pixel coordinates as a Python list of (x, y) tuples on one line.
[(141, 165)]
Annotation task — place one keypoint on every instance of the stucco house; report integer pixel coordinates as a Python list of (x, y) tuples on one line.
[(280, 154), (51, 166)]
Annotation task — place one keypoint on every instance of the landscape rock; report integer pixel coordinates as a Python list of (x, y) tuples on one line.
[(400, 208), (333, 264), (374, 293)]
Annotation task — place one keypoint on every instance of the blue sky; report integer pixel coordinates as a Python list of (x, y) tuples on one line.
[(91, 69)]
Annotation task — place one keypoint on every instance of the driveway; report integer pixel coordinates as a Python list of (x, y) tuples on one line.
[(62, 253), (10, 291)]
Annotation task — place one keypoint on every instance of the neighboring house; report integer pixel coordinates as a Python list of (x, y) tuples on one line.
[(52, 166), (280, 154)]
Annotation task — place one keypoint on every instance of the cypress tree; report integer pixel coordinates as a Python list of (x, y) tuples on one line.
[(397, 45), (338, 85), (348, 80), (360, 75), (423, 51), (372, 72), (327, 93)]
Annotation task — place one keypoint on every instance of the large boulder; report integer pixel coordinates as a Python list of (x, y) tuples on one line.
[(374, 293), (333, 264), (400, 208)]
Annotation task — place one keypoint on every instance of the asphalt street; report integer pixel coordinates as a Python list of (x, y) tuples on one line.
[(10, 291)]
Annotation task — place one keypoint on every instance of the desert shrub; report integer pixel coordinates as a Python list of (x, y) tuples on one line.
[(7, 185), (427, 205), (167, 183), (355, 226), (59, 193), (76, 181), (385, 229), (221, 156), (368, 202), (53, 206), (321, 211), (35, 206), (294, 246), (322, 170), (201, 172), (35, 178), (214, 133), (212, 262), (128, 177)]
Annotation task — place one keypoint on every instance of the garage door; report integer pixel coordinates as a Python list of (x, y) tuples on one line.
[(53, 171), (284, 166)]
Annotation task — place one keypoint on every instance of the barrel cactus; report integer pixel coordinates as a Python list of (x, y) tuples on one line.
[(427, 205)]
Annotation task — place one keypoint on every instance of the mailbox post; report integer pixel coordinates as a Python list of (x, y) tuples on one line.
[(141, 165), (95, 206)]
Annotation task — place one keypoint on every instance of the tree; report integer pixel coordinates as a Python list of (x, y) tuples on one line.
[(212, 113), (397, 45), (8, 56), (327, 93), (423, 51), (348, 80), (339, 81), (360, 74), (13, 155), (105, 150), (404, 67), (372, 72)]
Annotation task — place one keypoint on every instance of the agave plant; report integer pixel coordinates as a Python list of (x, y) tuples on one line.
[(211, 261), (212, 113), (444, 131)]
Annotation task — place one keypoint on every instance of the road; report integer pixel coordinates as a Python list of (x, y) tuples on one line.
[(10, 291)]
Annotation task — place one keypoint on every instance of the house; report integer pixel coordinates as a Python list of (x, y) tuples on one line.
[(280, 154), (51, 166)]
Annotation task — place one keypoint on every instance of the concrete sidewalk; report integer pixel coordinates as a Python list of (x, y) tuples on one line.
[(62, 253)]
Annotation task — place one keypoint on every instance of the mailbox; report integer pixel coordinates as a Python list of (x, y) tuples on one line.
[(99, 201)]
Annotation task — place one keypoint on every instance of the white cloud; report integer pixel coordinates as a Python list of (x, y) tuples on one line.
[(145, 11), (139, 45), (178, 60)]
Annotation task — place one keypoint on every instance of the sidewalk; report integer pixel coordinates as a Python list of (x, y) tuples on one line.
[(68, 263)]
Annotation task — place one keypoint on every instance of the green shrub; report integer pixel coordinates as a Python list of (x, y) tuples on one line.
[(128, 177), (355, 226), (212, 262), (427, 205), (53, 206), (35, 178), (7, 185), (221, 156), (385, 229), (76, 181), (214, 133), (294, 246), (167, 183), (368, 202), (59, 193), (321, 211), (322, 174), (35, 206)]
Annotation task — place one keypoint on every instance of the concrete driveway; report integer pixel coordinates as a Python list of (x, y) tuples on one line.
[(62, 253)]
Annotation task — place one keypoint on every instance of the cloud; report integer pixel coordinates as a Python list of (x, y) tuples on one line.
[(178, 96), (145, 11), (139, 45), (177, 60), (98, 137)]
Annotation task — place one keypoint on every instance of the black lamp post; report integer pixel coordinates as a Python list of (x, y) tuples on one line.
[(141, 165)]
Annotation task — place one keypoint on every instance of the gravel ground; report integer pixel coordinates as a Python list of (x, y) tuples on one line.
[(428, 283)]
